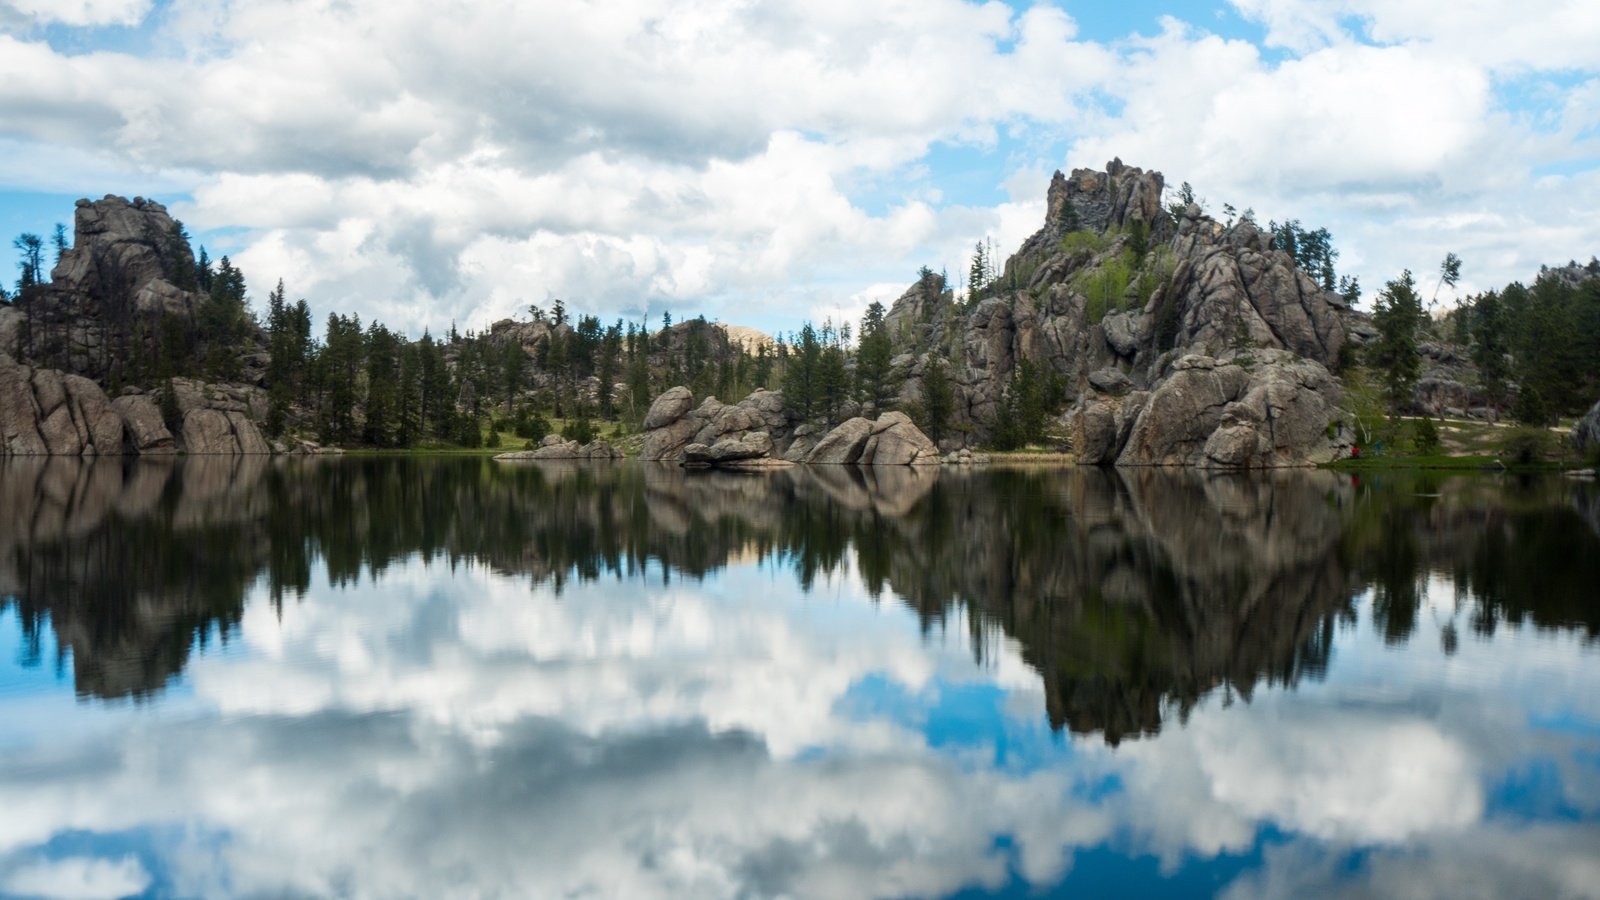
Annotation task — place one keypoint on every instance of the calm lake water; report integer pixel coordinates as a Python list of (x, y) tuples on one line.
[(437, 678)]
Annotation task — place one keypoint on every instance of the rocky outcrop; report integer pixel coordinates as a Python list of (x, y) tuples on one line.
[(555, 447), (759, 431), (46, 413), (897, 441), (1105, 299), (674, 423), (1586, 433), (1267, 409)]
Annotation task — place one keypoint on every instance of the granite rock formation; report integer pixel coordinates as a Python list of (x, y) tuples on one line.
[(1109, 296), (46, 413), (112, 293), (758, 432)]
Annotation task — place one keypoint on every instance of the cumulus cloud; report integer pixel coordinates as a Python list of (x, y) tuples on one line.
[(78, 878), (715, 157)]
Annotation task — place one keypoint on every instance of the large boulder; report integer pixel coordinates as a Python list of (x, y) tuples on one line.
[(897, 441), (672, 405), (214, 431), (146, 433), (1099, 426), (1586, 433), (843, 445), (729, 450), (1266, 409)]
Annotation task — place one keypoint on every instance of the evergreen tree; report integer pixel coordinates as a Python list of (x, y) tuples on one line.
[(513, 363), (408, 420), (382, 422), (938, 399), (801, 378), (833, 382), (608, 368), (31, 246), (1399, 318), (872, 359), (1490, 349), (340, 365)]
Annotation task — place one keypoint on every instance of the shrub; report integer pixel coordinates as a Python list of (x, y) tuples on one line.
[(530, 425), (493, 440), (580, 429), (1425, 436), (1083, 241), (1526, 445), (470, 433)]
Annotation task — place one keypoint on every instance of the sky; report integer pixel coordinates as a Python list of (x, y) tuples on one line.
[(762, 163)]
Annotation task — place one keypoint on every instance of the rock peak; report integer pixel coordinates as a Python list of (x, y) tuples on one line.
[(1104, 200)]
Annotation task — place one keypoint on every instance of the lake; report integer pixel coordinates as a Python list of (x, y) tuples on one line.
[(454, 677)]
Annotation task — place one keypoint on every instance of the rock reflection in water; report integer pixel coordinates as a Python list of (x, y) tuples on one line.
[(1133, 593)]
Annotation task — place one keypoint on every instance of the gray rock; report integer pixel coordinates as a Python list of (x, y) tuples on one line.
[(207, 431), (19, 414), (555, 447), (897, 441), (749, 446), (672, 405), (843, 445), (43, 412), (100, 421), (1586, 433), (145, 432), (1203, 288), (1110, 381), (1268, 410)]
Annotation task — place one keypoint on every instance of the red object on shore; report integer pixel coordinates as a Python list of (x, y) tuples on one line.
[(1355, 452)]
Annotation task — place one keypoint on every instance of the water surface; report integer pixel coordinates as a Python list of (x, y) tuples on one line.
[(435, 678)]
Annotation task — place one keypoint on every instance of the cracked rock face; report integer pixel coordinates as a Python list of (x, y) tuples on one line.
[(1265, 409), (46, 413)]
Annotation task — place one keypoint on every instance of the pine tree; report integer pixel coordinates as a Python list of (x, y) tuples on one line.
[(1490, 348), (873, 356), (382, 421), (1398, 316), (801, 386), (938, 399)]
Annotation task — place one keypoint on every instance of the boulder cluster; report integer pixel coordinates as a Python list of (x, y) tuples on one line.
[(554, 446), (44, 412), (759, 432)]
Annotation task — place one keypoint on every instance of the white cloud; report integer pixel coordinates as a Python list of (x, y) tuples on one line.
[(78, 878), (712, 158), (82, 12)]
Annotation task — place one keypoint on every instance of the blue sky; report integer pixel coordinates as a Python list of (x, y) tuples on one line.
[(769, 163)]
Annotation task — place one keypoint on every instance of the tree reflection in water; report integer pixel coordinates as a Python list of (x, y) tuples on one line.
[(1133, 593)]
